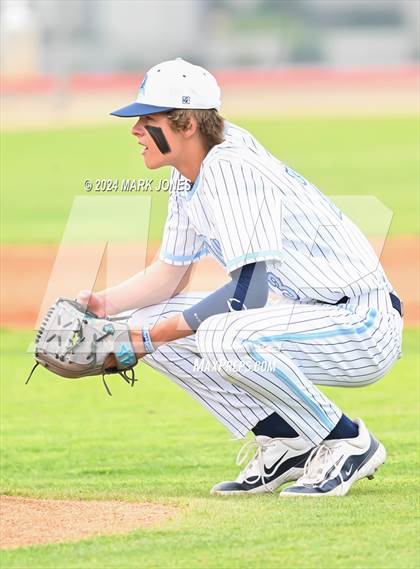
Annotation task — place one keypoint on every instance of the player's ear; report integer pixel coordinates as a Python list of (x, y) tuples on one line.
[(191, 127)]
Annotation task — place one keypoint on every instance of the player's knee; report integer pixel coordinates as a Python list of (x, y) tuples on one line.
[(214, 341)]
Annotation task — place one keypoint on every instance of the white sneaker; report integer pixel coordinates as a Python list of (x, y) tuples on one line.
[(335, 465), (275, 462)]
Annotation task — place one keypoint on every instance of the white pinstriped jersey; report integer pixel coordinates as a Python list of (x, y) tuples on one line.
[(248, 206)]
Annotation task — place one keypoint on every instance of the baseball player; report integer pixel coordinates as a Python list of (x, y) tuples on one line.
[(307, 303)]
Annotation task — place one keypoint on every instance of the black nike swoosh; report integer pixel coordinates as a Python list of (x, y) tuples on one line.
[(293, 462), (269, 471)]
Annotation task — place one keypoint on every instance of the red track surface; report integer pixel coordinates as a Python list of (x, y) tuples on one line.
[(288, 77)]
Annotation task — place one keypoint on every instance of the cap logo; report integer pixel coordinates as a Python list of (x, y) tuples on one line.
[(143, 85), (186, 100)]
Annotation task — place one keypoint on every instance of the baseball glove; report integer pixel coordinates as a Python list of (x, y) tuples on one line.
[(73, 342)]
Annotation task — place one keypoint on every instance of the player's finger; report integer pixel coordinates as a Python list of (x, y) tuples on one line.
[(84, 296)]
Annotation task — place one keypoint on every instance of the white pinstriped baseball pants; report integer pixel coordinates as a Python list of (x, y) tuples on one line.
[(285, 350)]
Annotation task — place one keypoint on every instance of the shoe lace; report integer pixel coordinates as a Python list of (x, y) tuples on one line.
[(320, 463), (257, 457)]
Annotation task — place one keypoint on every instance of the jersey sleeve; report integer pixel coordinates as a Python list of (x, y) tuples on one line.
[(246, 211), (181, 245)]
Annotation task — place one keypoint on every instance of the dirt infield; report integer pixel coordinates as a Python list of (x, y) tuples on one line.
[(26, 521), (27, 289)]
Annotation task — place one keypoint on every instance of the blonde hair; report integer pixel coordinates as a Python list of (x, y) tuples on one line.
[(210, 123)]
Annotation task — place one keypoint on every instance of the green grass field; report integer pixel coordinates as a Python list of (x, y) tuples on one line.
[(66, 439), (69, 439), (44, 170)]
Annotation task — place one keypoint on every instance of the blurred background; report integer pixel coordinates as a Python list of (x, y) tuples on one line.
[(64, 51), (73, 36)]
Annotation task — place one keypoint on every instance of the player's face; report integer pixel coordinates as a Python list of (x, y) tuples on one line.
[(156, 154)]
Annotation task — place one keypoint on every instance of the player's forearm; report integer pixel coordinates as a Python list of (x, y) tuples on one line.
[(163, 332), (157, 283)]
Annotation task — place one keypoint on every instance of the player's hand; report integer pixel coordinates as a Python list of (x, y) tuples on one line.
[(93, 302)]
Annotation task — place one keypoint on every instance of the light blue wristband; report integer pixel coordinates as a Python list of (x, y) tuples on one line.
[(147, 340)]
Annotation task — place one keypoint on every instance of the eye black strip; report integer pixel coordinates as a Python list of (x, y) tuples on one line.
[(159, 138)]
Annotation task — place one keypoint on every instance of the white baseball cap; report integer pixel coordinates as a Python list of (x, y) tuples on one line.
[(174, 84)]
